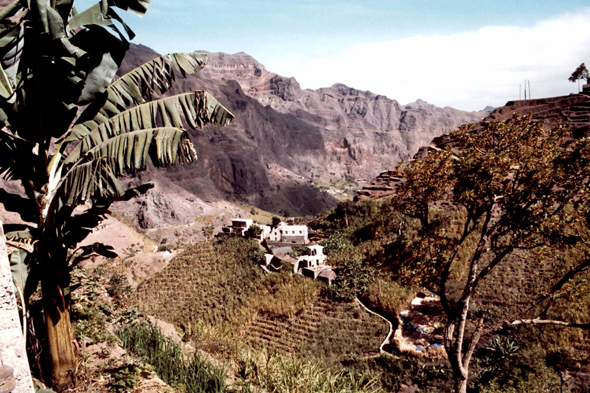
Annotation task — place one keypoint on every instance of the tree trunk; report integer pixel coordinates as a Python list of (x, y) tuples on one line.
[(60, 338), (454, 347), (460, 385)]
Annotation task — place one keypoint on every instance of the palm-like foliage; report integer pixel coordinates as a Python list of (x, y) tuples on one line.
[(67, 132)]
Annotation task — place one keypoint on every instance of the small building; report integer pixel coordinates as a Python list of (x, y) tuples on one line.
[(313, 257), (327, 276), (284, 233), (266, 230), (284, 250), (312, 264), (239, 226), (277, 260), (268, 259)]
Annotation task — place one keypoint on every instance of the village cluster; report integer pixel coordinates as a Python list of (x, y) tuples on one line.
[(280, 241)]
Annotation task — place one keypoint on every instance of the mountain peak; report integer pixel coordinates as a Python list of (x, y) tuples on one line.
[(236, 60)]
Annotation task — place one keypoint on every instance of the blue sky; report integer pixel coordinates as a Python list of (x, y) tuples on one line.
[(464, 54)]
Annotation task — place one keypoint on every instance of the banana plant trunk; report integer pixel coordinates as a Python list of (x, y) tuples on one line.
[(60, 332), (60, 338)]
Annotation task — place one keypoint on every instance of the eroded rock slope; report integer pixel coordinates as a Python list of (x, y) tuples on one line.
[(284, 136)]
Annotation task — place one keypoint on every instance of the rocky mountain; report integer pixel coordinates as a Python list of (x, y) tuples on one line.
[(285, 145), (284, 137)]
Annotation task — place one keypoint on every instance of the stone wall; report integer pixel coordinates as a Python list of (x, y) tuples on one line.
[(15, 375)]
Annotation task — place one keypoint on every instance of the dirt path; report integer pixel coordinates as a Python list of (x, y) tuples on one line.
[(381, 350)]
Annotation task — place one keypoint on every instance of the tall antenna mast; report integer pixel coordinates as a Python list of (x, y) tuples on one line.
[(519, 92), (525, 89), (529, 89)]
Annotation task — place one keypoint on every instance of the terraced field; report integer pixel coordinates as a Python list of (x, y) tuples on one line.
[(207, 283), (219, 285), (325, 329)]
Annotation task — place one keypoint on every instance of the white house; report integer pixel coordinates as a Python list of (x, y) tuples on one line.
[(284, 233), (314, 257), (241, 225)]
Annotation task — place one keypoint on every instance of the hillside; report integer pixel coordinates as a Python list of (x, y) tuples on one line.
[(572, 111), (284, 138), (216, 287)]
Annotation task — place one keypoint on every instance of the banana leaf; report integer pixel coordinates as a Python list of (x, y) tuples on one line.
[(12, 9), (138, 7), (155, 76), (20, 268), (94, 175), (142, 84), (199, 108)]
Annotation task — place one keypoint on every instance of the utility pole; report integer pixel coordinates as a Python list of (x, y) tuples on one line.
[(525, 89), (529, 89), (519, 92)]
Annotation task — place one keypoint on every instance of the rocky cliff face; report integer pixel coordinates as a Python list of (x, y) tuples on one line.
[(363, 133), (284, 136), (572, 111), (283, 139)]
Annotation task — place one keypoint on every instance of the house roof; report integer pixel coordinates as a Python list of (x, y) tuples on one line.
[(329, 274), (285, 257), (282, 250), (293, 227), (242, 219)]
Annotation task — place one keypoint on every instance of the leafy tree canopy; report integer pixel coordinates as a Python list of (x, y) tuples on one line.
[(580, 73), (513, 193)]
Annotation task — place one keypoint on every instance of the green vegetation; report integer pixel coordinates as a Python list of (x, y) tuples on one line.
[(341, 189), (275, 221), (208, 231), (90, 311), (124, 378), (254, 231), (395, 372), (510, 214), (69, 131), (327, 331), (220, 284), (580, 73), (279, 373), (513, 205), (166, 356), (207, 283)]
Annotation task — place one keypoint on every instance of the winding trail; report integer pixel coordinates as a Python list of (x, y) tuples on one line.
[(381, 350)]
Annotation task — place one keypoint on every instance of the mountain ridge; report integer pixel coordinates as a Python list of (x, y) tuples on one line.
[(284, 136), (286, 144)]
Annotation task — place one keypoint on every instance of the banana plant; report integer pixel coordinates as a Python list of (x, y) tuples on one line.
[(69, 130)]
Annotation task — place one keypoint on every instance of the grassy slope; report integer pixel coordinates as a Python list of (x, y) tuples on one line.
[(216, 285)]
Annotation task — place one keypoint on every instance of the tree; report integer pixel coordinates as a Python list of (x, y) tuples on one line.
[(580, 73), (275, 222), (67, 132), (254, 231), (512, 192), (208, 231)]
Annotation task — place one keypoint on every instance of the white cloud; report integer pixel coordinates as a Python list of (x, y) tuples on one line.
[(466, 71)]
